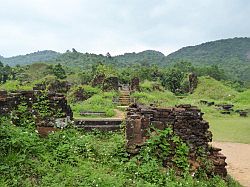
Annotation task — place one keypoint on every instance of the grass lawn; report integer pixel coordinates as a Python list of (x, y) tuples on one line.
[(230, 129)]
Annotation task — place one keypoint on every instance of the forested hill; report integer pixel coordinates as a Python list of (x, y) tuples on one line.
[(216, 52), (144, 57), (40, 56), (232, 55)]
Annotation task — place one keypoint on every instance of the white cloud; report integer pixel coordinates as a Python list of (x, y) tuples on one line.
[(117, 26)]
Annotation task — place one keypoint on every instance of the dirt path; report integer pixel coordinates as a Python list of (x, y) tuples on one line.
[(119, 114), (238, 160)]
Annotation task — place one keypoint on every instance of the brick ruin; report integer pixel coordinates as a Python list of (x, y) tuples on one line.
[(113, 83), (59, 111), (55, 86), (186, 122), (135, 84), (110, 83), (193, 82), (98, 80)]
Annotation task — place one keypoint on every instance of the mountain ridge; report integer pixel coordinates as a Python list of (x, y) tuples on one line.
[(232, 55), (39, 56)]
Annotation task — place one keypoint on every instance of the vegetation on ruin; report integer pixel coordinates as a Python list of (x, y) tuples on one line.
[(76, 158)]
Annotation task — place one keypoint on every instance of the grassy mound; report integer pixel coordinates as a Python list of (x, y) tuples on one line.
[(209, 88), (158, 98)]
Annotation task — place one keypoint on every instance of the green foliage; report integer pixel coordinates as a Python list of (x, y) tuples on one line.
[(213, 71), (42, 107), (87, 90), (172, 80), (101, 69), (23, 116), (59, 72), (147, 86), (166, 146), (75, 158), (32, 72), (5, 73), (15, 85), (229, 54), (40, 56), (221, 59)]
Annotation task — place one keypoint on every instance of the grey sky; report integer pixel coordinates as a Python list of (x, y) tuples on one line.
[(118, 26)]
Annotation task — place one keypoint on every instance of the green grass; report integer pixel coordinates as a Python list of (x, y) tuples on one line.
[(150, 86), (158, 98), (243, 99), (230, 129), (97, 103), (16, 85), (209, 88)]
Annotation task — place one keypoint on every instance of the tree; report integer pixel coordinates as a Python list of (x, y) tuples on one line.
[(59, 72), (73, 50), (173, 79), (184, 66), (108, 55), (213, 71), (6, 72)]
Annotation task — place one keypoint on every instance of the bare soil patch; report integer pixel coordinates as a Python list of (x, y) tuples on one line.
[(238, 160)]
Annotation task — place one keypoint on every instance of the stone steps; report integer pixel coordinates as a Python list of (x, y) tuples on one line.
[(124, 98), (102, 124)]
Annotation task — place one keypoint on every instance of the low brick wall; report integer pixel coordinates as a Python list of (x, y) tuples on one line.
[(57, 103), (186, 122)]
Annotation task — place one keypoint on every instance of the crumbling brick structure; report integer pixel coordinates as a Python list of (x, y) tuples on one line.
[(56, 104), (193, 82), (186, 122), (135, 84), (55, 86), (110, 83), (98, 80)]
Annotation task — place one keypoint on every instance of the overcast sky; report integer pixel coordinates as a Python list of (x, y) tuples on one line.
[(118, 26)]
